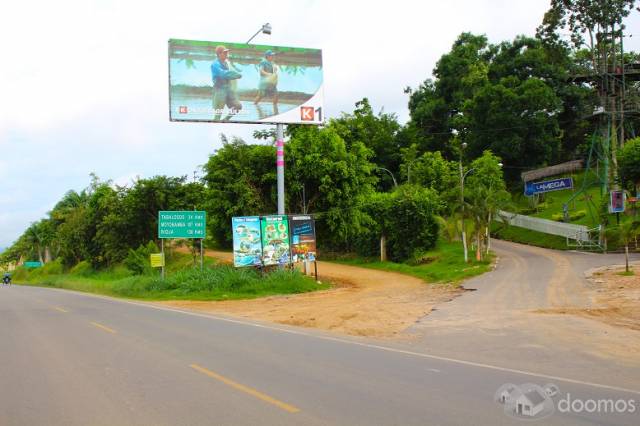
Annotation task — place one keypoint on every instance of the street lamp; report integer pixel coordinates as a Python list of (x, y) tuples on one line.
[(395, 183), (266, 29)]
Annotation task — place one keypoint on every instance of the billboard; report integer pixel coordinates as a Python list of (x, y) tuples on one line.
[(275, 240), (244, 83), (303, 238), (247, 247)]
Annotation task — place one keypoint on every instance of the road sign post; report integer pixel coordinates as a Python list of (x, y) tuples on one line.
[(182, 224)]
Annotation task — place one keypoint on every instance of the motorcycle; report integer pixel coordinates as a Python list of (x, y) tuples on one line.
[(6, 280)]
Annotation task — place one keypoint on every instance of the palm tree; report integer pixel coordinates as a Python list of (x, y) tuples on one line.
[(628, 231)]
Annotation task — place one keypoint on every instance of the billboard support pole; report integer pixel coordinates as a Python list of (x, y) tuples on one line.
[(280, 166)]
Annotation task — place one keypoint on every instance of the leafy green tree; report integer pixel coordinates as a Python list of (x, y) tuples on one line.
[(524, 111), (436, 107), (241, 181), (485, 194), (628, 231), (406, 218), (629, 162), (328, 177), (430, 170), (379, 133)]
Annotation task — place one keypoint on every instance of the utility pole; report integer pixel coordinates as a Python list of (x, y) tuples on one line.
[(464, 234)]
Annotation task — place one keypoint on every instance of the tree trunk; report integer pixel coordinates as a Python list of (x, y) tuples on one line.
[(479, 242), (626, 257), (464, 244), (383, 249)]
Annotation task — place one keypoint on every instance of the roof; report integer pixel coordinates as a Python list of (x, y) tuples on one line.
[(534, 397)]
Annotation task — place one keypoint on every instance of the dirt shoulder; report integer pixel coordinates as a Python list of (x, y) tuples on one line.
[(363, 302), (616, 297)]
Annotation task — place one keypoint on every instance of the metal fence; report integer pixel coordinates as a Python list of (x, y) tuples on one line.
[(567, 230)]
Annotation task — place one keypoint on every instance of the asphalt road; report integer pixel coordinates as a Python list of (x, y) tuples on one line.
[(73, 359)]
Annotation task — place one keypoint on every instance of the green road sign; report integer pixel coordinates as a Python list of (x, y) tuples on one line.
[(35, 264), (182, 224)]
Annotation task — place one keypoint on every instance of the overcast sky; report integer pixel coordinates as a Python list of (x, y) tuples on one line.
[(69, 107)]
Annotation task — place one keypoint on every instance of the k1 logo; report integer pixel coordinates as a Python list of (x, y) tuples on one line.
[(307, 113)]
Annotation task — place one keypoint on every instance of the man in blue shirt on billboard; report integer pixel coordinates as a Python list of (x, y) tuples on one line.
[(224, 85), (268, 80)]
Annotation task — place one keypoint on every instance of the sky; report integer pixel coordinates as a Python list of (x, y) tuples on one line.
[(84, 84)]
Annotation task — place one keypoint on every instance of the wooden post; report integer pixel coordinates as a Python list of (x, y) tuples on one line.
[(383, 249)]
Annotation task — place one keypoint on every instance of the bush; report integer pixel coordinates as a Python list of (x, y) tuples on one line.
[(82, 268), (407, 219), (54, 267), (559, 217), (137, 261)]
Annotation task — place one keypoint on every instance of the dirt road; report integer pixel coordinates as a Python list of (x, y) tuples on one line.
[(365, 302), (536, 310)]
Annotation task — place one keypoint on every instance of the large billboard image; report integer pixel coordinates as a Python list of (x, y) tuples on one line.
[(241, 83)]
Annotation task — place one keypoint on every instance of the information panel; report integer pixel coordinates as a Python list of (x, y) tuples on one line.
[(247, 245), (303, 238), (275, 240)]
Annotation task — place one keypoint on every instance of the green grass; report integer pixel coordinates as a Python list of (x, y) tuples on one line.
[(527, 236), (627, 273), (443, 264), (214, 282)]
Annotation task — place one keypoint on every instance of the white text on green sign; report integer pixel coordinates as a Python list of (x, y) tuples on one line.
[(182, 224)]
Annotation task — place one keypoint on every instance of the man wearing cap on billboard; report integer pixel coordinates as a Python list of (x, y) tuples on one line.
[(224, 91), (268, 80)]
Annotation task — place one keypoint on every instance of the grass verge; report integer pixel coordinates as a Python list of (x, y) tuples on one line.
[(527, 236), (444, 264), (214, 282)]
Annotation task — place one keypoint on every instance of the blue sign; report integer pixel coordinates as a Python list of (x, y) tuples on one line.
[(532, 188)]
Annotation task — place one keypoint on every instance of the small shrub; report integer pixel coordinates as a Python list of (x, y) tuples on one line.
[(83, 269), (52, 268), (559, 217), (137, 261)]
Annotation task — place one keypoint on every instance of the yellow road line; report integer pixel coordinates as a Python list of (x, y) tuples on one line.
[(246, 389), (104, 327), (57, 308)]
